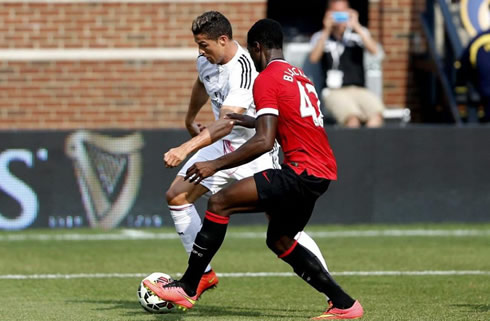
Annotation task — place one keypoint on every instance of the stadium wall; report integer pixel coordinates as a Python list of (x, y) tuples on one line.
[(69, 179), (68, 64)]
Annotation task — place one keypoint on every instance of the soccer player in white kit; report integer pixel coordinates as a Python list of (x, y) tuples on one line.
[(226, 76)]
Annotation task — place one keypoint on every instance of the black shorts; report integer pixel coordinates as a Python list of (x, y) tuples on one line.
[(288, 198)]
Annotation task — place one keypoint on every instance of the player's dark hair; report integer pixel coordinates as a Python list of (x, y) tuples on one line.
[(267, 32), (213, 24)]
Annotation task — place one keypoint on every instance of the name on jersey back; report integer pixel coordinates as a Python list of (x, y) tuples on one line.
[(291, 72)]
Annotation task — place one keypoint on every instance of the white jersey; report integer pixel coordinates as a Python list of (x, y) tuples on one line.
[(231, 85)]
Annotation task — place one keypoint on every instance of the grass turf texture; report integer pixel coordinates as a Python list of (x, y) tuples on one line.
[(402, 297)]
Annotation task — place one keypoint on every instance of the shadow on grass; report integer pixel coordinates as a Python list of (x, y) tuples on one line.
[(473, 307), (133, 309)]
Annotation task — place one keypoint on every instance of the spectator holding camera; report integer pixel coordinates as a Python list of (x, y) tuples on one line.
[(339, 47)]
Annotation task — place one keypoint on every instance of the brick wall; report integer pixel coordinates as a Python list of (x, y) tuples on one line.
[(125, 24), (91, 93), (38, 93), (395, 24)]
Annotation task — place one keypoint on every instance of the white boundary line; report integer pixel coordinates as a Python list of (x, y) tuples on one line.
[(171, 54), (238, 275), (128, 235)]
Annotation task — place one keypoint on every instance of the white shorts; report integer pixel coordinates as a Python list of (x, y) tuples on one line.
[(222, 178)]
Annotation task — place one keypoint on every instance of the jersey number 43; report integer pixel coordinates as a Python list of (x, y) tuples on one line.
[(307, 108)]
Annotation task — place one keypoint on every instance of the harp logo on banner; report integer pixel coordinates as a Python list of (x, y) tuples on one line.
[(108, 170)]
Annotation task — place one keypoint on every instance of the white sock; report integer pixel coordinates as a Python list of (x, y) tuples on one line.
[(305, 240), (188, 224)]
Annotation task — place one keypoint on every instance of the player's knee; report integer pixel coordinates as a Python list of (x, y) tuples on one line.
[(175, 198), (216, 204), (279, 244), (170, 195)]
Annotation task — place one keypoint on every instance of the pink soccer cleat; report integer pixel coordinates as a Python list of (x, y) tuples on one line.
[(173, 293), (354, 312), (209, 280)]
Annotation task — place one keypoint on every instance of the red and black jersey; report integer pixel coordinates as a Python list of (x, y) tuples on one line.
[(284, 90)]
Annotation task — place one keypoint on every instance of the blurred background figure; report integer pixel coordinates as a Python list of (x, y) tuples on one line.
[(339, 48), (473, 68)]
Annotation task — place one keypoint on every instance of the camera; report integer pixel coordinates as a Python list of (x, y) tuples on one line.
[(340, 16)]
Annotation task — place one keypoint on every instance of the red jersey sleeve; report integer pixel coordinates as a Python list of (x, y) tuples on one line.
[(265, 96)]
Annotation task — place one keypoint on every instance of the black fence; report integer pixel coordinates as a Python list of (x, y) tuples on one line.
[(392, 175)]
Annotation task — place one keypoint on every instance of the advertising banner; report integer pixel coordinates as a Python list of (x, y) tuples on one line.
[(106, 179), (84, 178)]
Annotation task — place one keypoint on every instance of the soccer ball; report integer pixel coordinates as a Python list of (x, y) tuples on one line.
[(149, 301)]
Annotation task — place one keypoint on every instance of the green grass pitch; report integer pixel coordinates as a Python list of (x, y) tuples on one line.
[(76, 281)]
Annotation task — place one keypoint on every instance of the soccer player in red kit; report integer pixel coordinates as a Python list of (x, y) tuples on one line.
[(287, 109)]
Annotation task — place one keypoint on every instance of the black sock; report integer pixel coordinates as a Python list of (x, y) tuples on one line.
[(309, 268), (206, 244)]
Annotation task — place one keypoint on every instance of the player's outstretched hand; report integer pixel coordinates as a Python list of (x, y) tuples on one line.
[(199, 171), (174, 157), (242, 120)]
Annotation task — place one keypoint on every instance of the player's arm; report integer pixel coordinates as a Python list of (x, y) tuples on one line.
[(369, 43), (208, 135), (237, 101), (260, 143), (199, 97), (318, 49), (242, 120)]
